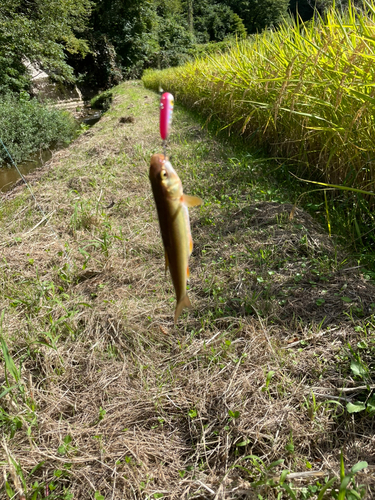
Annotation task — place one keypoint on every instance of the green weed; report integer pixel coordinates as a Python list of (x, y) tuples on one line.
[(263, 478)]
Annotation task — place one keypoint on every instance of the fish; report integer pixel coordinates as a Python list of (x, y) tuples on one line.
[(172, 208)]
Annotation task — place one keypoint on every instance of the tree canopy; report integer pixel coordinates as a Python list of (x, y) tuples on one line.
[(41, 31), (216, 21), (259, 14), (101, 42)]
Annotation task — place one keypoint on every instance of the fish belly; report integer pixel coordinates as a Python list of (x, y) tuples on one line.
[(178, 251)]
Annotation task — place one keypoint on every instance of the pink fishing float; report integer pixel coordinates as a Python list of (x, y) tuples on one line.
[(166, 110)]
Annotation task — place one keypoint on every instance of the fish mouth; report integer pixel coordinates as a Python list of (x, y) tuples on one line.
[(156, 163)]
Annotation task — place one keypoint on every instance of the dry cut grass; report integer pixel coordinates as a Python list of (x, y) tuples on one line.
[(102, 397)]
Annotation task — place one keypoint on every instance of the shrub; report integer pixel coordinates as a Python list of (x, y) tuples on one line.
[(27, 126), (211, 48), (102, 101)]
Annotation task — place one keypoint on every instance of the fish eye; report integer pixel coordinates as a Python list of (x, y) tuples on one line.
[(163, 174)]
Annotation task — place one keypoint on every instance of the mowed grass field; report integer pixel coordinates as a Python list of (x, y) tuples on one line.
[(270, 373)]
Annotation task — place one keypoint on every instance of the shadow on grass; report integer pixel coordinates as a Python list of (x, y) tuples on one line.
[(276, 261)]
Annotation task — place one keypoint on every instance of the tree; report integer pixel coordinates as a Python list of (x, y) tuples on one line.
[(259, 14), (216, 21), (190, 15), (127, 36), (41, 31), (305, 9), (302, 8), (175, 40), (123, 39)]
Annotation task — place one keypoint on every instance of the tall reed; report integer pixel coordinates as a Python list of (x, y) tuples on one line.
[(307, 91)]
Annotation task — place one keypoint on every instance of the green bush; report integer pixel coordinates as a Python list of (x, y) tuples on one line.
[(213, 22), (211, 48), (102, 101), (27, 126)]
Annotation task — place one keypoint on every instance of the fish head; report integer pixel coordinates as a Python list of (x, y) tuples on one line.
[(164, 178)]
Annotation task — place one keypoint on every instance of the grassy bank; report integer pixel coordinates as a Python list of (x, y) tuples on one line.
[(26, 126), (102, 397), (304, 93)]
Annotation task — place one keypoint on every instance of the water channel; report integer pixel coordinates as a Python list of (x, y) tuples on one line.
[(9, 175)]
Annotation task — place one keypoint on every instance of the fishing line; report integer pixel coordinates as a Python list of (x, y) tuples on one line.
[(164, 144), (36, 202)]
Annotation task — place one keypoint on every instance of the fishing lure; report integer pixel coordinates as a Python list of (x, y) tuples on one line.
[(166, 111)]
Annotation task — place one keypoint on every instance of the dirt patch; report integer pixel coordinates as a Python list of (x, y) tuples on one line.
[(126, 119)]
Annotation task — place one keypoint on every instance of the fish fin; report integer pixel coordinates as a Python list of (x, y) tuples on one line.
[(184, 302), (191, 201), (190, 244), (188, 272), (166, 262)]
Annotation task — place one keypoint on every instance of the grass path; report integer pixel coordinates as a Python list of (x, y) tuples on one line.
[(108, 399)]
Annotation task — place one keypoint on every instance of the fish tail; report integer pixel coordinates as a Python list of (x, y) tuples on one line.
[(184, 302)]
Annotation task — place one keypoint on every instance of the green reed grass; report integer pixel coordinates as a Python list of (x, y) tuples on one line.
[(307, 91)]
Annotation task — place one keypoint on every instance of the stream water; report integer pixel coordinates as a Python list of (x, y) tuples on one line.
[(9, 175)]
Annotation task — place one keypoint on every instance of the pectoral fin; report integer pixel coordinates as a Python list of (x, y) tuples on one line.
[(191, 201), (184, 302)]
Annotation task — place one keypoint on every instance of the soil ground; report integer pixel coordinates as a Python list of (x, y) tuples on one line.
[(103, 397)]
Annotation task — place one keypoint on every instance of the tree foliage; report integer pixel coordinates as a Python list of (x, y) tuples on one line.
[(127, 37), (175, 40), (41, 31), (259, 14), (104, 41), (304, 9), (216, 21), (129, 26)]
